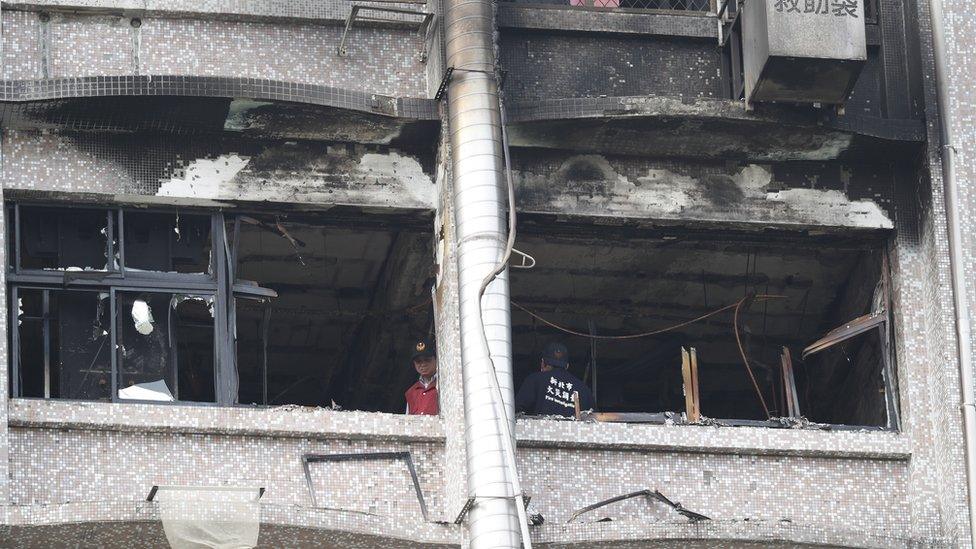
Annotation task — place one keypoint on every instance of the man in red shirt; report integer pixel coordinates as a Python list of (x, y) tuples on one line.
[(422, 396)]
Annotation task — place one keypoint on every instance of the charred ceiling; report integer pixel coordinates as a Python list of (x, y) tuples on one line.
[(244, 117)]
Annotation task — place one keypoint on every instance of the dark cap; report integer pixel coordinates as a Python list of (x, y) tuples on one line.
[(423, 347), (556, 355)]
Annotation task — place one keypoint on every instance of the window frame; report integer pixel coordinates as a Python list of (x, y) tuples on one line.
[(220, 282)]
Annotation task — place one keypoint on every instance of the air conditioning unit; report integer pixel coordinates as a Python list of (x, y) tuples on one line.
[(802, 51)]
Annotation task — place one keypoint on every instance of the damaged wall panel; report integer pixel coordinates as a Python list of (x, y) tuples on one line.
[(836, 495), (791, 195), (205, 170), (544, 66)]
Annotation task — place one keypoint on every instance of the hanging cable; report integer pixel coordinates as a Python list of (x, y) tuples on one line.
[(735, 324), (761, 297), (745, 360)]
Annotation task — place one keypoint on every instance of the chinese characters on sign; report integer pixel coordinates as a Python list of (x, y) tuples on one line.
[(837, 8)]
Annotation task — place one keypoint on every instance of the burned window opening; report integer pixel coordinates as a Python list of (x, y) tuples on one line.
[(596, 284), (64, 239), (177, 337), (65, 335), (165, 346), (347, 302), (168, 242), (255, 309)]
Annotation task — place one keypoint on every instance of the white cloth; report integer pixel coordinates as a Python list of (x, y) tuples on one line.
[(210, 518), (154, 390)]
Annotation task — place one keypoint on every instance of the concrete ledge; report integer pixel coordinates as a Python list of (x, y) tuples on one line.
[(225, 87), (713, 110), (281, 421), (682, 533), (545, 433), (138, 522), (302, 422)]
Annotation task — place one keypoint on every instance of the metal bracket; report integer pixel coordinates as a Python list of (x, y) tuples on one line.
[(367, 456), (445, 81), (470, 503), (425, 26), (155, 489)]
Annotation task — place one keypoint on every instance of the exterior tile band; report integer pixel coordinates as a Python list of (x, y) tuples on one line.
[(18, 91)]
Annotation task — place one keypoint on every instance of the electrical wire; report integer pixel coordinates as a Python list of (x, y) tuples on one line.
[(745, 360), (570, 331), (737, 306)]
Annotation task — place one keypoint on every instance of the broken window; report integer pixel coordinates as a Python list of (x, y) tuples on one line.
[(722, 321), (62, 343), (168, 242), (154, 302), (165, 346), (64, 239), (202, 307)]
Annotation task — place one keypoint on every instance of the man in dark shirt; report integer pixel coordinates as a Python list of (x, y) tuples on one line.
[(550, 390)]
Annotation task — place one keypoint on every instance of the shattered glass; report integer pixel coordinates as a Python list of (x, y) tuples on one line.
[(63, 239), (167, 242), (78, 344), (169, 338)]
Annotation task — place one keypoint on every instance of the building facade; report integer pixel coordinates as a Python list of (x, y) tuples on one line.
[(227, 223)]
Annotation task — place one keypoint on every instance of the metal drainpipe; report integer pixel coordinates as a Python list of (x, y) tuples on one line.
[(960, 300), (479, 202)]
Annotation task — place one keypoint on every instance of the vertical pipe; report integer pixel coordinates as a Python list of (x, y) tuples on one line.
[(956, 256), (477, 161)]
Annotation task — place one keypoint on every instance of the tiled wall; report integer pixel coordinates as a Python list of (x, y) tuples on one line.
[(95, 466), (87, 45), (546, 66), (83, 472)]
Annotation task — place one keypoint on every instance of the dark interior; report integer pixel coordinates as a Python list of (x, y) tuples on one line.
[(351, 297), (645, 281), (352, 294)]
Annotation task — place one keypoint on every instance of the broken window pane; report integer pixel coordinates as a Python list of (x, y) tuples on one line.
[(63, 238), (165, 346), (253, 318), (70, 341), (850, 385), (168, 242)]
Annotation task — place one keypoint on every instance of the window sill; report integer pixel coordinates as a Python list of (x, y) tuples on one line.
[(280, 421), (547, 433)]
